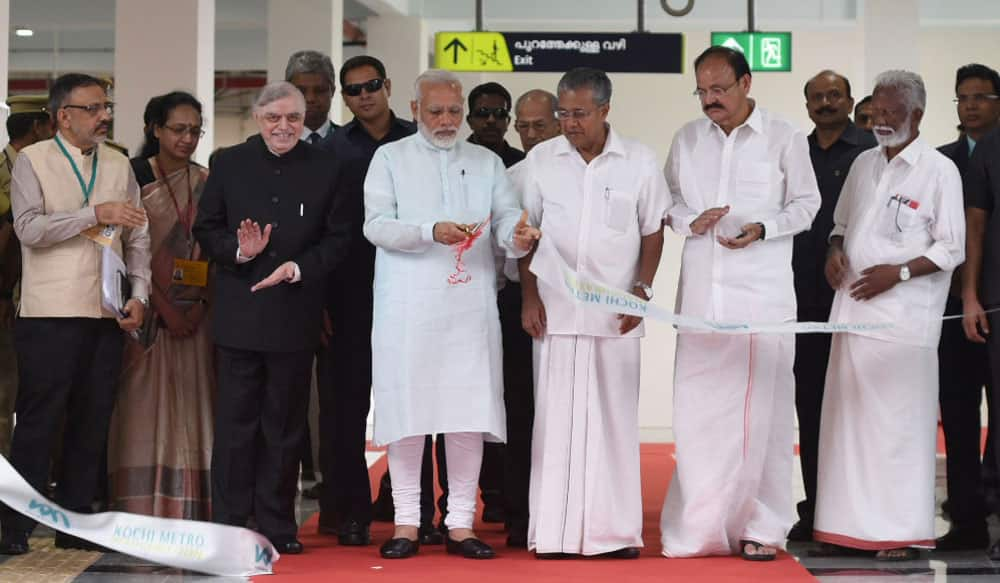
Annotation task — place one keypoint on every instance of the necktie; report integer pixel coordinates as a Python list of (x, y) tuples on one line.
[(314, 137)]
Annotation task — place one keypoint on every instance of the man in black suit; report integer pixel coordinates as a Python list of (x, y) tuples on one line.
[(833, 146), (269, 300), (963, 365), (344, 368)]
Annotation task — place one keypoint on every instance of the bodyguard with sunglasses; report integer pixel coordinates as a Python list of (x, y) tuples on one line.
[(72, 196), (345, 366), (488, 118)]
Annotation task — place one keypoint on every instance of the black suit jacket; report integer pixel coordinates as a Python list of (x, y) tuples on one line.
[(296, 194), (958, 151)]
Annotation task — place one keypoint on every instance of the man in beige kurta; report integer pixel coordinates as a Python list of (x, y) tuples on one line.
[(72, 196)]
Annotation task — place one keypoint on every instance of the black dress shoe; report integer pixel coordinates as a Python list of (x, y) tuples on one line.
[(494, 514), (517, 538), (430, 535), (470, 548), (994, 552), (290, 547), (964, 538), (68, 541), (354, 534), (801, 532), (14, 543), (399, 548), (313, 492), (625, 553), (553, 556)]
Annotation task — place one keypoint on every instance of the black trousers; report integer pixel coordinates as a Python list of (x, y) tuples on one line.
[(260, 416), (812, 354), (963, 369), (344, 377), (66, 367)]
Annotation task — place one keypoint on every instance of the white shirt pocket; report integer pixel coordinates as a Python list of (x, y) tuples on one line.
[(619, 209), (753, 179)]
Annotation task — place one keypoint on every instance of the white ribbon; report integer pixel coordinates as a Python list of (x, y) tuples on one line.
[(600, 296), (214, 549)]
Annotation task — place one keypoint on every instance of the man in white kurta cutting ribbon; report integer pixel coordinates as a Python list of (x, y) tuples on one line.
[(743, 186), (431, 205), (600, 199), (899, 233)]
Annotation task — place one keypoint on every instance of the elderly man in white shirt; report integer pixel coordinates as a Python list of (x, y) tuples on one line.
[(899, 233), (743, 185), (436, 335), (599, 199)]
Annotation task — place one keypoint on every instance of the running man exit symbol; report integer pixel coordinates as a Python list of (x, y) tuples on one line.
[(770, 53)]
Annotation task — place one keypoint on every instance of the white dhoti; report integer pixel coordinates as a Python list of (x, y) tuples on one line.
[(733, 427), (585, 496), (878, 434)]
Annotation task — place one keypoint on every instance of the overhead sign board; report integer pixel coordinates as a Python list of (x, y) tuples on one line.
[(765, 51), (559, 52)]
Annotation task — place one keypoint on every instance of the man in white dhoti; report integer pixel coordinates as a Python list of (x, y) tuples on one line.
[(599, 199), (742, 185), (436, 335), (899, 232)]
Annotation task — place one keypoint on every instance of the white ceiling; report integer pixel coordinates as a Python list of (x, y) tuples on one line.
[(79, 34)]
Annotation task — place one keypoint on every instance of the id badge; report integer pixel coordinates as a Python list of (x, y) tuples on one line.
[(193, 273), (103, 235)]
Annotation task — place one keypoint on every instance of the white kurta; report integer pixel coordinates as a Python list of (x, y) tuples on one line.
[(733, 394), (436, 352), (585, 495), (878, 431)]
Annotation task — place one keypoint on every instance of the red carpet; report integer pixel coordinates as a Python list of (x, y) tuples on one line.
[(325, 561)]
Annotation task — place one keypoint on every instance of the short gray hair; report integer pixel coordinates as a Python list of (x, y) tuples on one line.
[(587, 78), (537, 94), (310, 62), (909, 84), (277, 90), (434, 77)]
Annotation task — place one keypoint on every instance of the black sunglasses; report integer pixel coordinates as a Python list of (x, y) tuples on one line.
[(354, 89), (485, 112)]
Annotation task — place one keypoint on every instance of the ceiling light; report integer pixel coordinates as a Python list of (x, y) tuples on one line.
[(25, 32)]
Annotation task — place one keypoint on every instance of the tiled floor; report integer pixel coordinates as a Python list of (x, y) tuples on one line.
[(968, 567)]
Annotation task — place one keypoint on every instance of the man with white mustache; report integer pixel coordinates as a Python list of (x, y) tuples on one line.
[(899, 231), (436, 357)]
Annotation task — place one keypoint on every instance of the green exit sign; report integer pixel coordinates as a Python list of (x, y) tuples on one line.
[(765, 51)]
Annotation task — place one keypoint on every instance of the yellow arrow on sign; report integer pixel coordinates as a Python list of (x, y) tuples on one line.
[(472, 51)]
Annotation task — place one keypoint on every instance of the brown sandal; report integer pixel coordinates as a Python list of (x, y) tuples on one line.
[(900, 554)]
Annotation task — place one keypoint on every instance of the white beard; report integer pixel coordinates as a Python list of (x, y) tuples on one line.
[(894, 139), (445, 143)]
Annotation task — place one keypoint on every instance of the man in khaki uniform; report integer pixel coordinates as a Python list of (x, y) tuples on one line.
[(29, 122), (75, 202)]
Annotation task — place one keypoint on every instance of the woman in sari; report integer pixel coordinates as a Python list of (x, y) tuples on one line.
[(161, 437)]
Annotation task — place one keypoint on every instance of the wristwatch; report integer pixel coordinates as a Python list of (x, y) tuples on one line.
[(646, 289), (143, 301), (904, 273)]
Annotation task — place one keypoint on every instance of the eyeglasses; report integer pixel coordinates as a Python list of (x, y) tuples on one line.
[(93, 108), (577, 114), (193, 131), (976, 98), (538, 125), (485, 112), (294, 117), (372, 86), (715, 92)]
